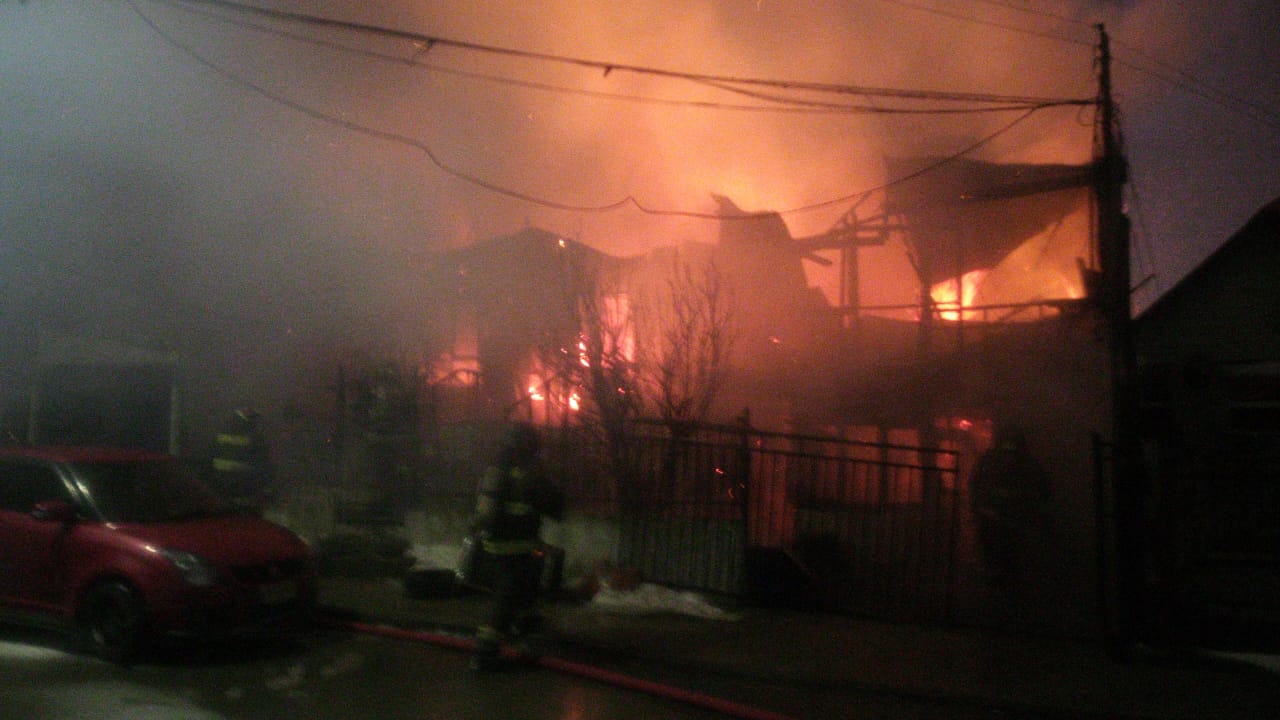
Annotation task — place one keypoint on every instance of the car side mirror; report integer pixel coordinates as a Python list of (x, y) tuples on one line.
[(53, 511)]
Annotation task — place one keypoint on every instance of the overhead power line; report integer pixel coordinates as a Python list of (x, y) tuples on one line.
[(1254, 111), (987, 139), (1041, 13), (1251, 109), (777, 104), (365, 129), (528, 197), (934, 10), (431, 41)]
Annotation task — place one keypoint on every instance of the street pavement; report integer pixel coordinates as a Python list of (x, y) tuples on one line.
[(808, 654)]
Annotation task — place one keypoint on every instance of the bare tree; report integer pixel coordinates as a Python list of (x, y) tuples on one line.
[(610, 376), (649, 344), (684, 338), (596, 363)]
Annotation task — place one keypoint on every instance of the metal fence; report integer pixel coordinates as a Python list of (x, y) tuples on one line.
[(864, 528)]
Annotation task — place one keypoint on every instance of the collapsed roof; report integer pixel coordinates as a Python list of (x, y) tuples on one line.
[(965, 215)]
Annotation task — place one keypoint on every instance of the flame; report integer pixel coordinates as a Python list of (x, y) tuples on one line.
[(952, 296), (1045, 267), (619, 332), (617, 314), (548, 401)]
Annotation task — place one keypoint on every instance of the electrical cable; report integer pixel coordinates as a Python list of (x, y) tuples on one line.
[(1040, 13), (429, 41), (896, 111), (858, 196), (1252, 110), (967, 18), (1142, 247), (530, 198), (373, 132), (791, 106)]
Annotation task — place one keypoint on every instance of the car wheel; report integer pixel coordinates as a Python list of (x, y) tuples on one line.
[(111, 621)]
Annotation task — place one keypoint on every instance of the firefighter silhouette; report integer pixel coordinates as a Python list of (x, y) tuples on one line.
[(1009, 495), (385, 410), (514, 496), (241, 462)]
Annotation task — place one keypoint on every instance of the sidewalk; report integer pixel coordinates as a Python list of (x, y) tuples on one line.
[(805, 653)]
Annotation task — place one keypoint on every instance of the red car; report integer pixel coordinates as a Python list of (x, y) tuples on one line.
[(125, 546)]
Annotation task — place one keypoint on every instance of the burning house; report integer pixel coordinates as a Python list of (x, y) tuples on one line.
[(995, 248), (1000, 333), (496, 305), (1003, 335), (504, 306)]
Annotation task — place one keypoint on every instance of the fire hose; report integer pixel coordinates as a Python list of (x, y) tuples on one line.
[(568, 667)]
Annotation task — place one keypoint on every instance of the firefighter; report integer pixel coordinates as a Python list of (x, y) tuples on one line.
[(1009, 496), (241, 461), (514, 496)]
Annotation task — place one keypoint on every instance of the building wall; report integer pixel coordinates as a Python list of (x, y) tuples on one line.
[(1209, 376)]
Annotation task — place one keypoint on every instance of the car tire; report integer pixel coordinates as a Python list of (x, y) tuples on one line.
[(111, 622)]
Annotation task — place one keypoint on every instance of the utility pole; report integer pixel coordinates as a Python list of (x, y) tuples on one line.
[(1128, 487)]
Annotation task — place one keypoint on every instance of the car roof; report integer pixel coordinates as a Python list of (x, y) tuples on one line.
[(78, 454)]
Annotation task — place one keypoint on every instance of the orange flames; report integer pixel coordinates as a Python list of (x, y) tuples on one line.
[(952, 296)]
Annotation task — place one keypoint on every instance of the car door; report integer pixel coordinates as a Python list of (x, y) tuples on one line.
[(31, 550)]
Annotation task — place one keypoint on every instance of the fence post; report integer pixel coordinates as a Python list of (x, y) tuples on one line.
[(744, 496)]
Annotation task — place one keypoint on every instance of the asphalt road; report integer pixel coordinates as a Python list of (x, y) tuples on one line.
[(325, 676), (338, 675)]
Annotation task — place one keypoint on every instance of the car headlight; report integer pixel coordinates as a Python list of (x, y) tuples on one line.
[(195, 569)]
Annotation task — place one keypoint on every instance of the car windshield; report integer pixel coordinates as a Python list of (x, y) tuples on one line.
[(146, 492)]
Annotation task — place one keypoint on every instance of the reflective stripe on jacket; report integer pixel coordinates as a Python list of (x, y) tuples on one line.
[(507, 510), (238, 453)]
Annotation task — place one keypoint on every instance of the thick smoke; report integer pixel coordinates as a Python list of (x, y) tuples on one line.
[(261, 204)]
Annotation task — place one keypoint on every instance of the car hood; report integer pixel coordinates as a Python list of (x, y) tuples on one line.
[(223, 540)]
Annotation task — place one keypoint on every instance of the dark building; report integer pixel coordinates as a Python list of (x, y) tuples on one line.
[(1209, 359)]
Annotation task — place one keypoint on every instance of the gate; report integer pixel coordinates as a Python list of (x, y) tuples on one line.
[(857, 527)]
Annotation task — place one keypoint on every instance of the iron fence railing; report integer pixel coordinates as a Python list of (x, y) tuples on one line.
[(868, 528)]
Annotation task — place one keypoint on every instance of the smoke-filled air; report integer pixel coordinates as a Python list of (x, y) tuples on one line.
[(263, 193)]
